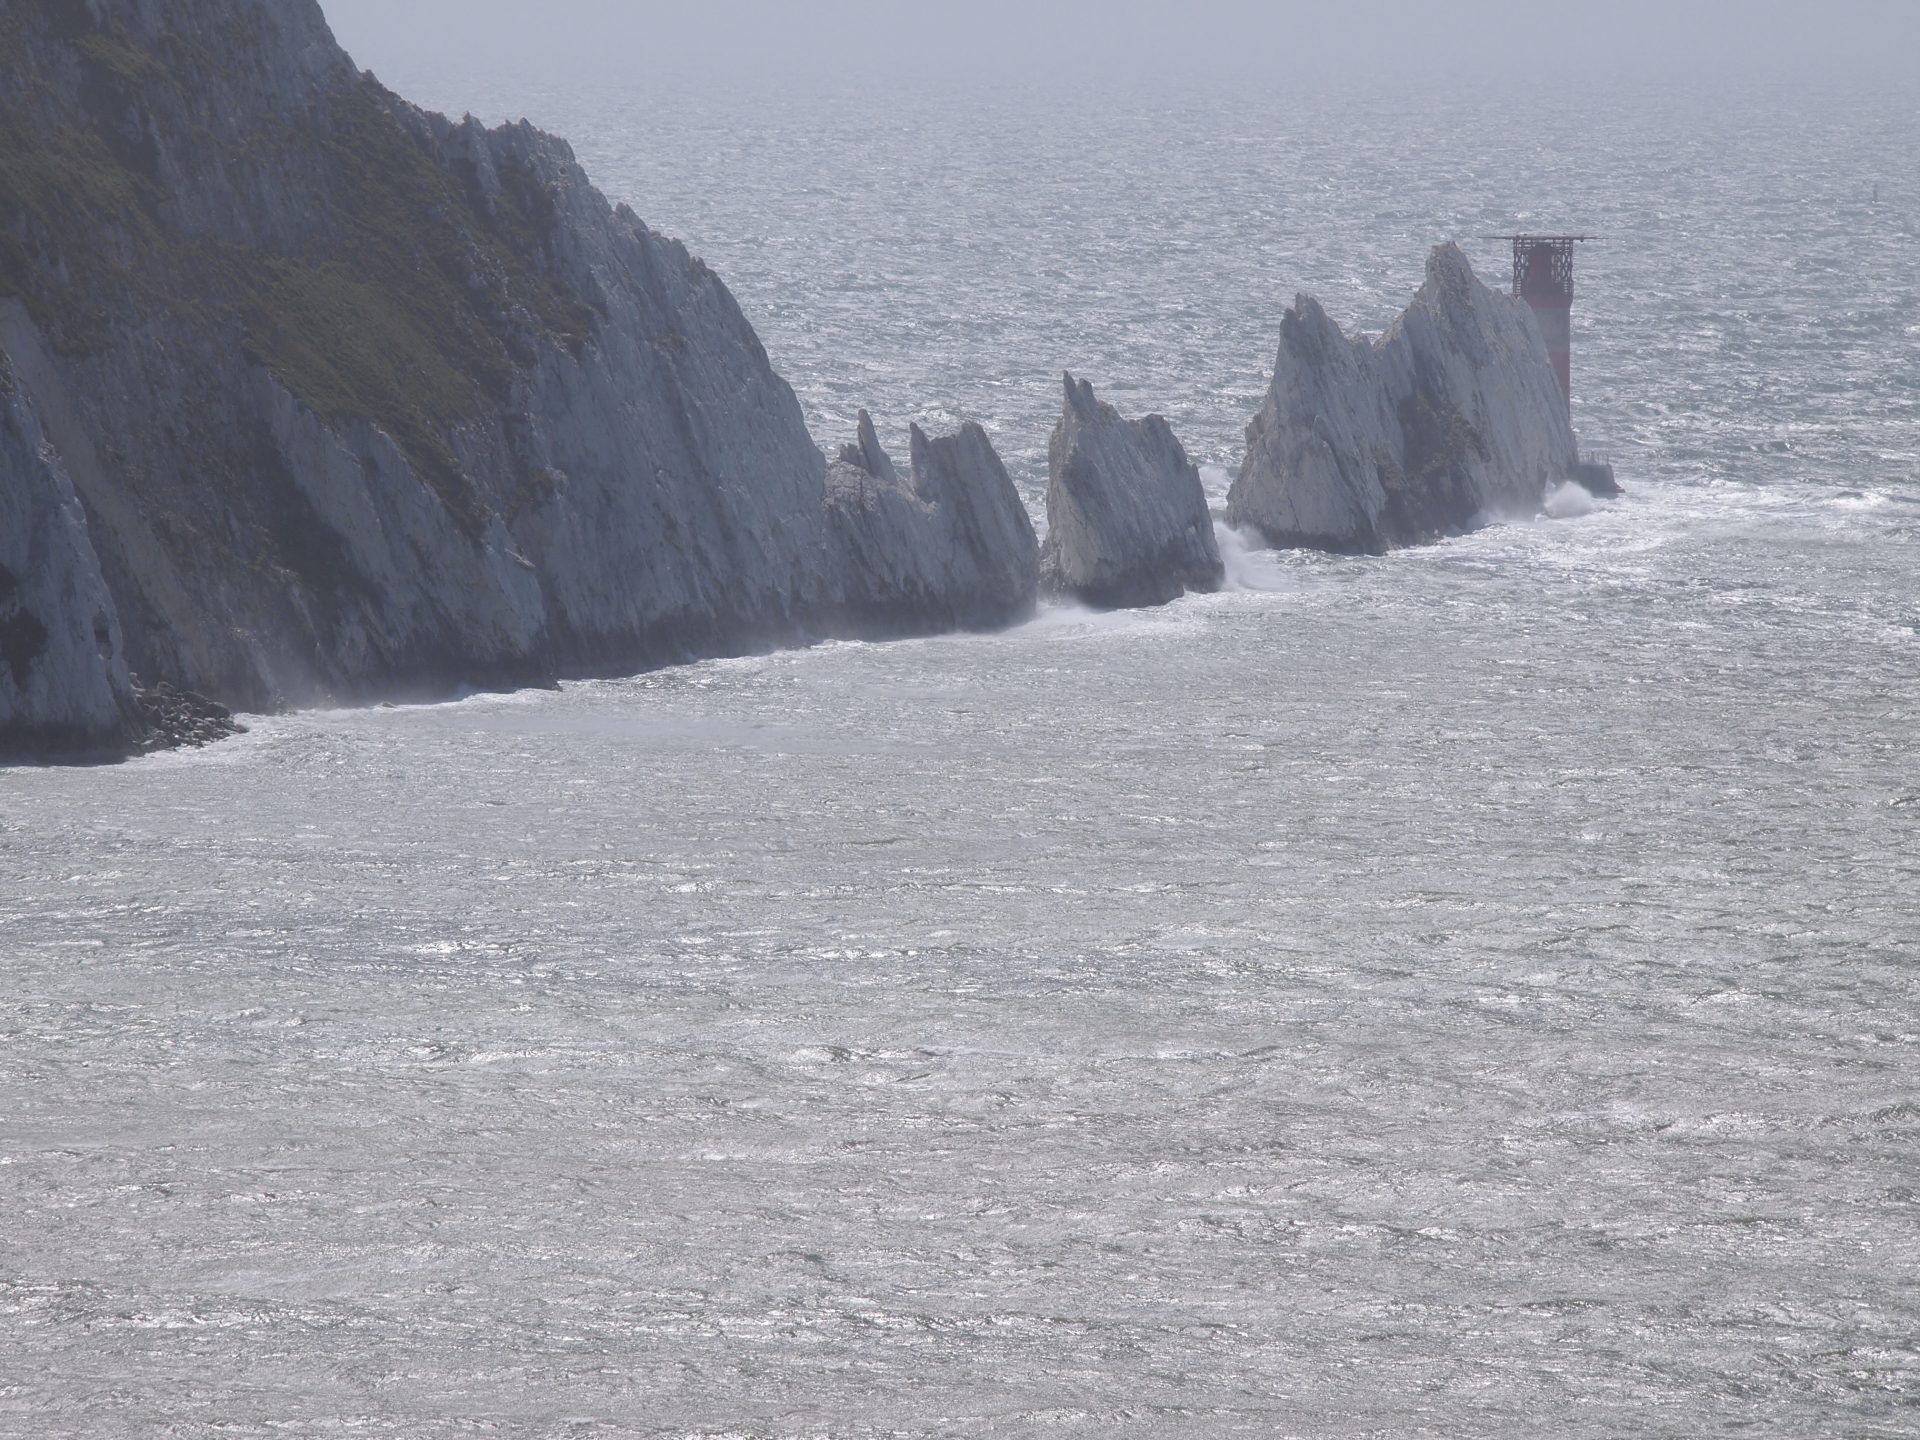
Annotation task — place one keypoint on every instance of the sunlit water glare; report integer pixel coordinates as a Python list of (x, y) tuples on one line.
[(1465, 993)]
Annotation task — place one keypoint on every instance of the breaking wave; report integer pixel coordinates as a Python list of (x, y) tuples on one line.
[(1567, 501), (1250, 563)]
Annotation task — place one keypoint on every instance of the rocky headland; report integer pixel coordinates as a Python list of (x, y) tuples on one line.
[(1127, 519), (308, 395), (311, 395)]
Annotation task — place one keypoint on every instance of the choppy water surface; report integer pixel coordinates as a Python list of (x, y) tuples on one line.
[(1468, 993)]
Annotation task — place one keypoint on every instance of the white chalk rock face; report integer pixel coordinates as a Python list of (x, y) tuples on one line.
[(948, 546), (64, 687), (1127, 519), (1451, 418)]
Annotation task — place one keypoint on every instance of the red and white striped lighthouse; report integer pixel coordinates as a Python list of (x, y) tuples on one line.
[(1543, 277)]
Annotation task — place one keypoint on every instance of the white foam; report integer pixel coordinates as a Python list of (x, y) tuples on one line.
[(1250, 563), (1568, 501), (1070, 618)]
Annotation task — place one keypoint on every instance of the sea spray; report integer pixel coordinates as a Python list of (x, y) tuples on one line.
[(1250, 564), (1568, 501)]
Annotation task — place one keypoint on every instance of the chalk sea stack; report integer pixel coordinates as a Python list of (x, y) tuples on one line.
[(1450, 418), (1127, 519), (312, 395), (949, 546)]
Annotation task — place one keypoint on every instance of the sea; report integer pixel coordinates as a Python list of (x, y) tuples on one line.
[(1469, 992)]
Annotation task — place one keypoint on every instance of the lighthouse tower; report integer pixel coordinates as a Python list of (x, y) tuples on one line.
[(1543, 277)]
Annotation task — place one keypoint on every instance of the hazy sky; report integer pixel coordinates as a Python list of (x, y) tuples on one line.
[(1296, 42)]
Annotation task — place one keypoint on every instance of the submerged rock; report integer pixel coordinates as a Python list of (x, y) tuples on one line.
[(949, 546), (1596, 477), (1451, 417), (1127, 519)]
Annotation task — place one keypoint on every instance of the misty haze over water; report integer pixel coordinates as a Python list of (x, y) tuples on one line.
[(1289, 45), (1464, 993)]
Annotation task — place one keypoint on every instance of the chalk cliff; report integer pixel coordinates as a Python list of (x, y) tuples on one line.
[(63, 681), (1452, 416), (1127, 519), (949, 546), (318, 396)]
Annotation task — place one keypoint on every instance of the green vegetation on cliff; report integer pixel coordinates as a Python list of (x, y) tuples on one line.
[(406, 300)]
